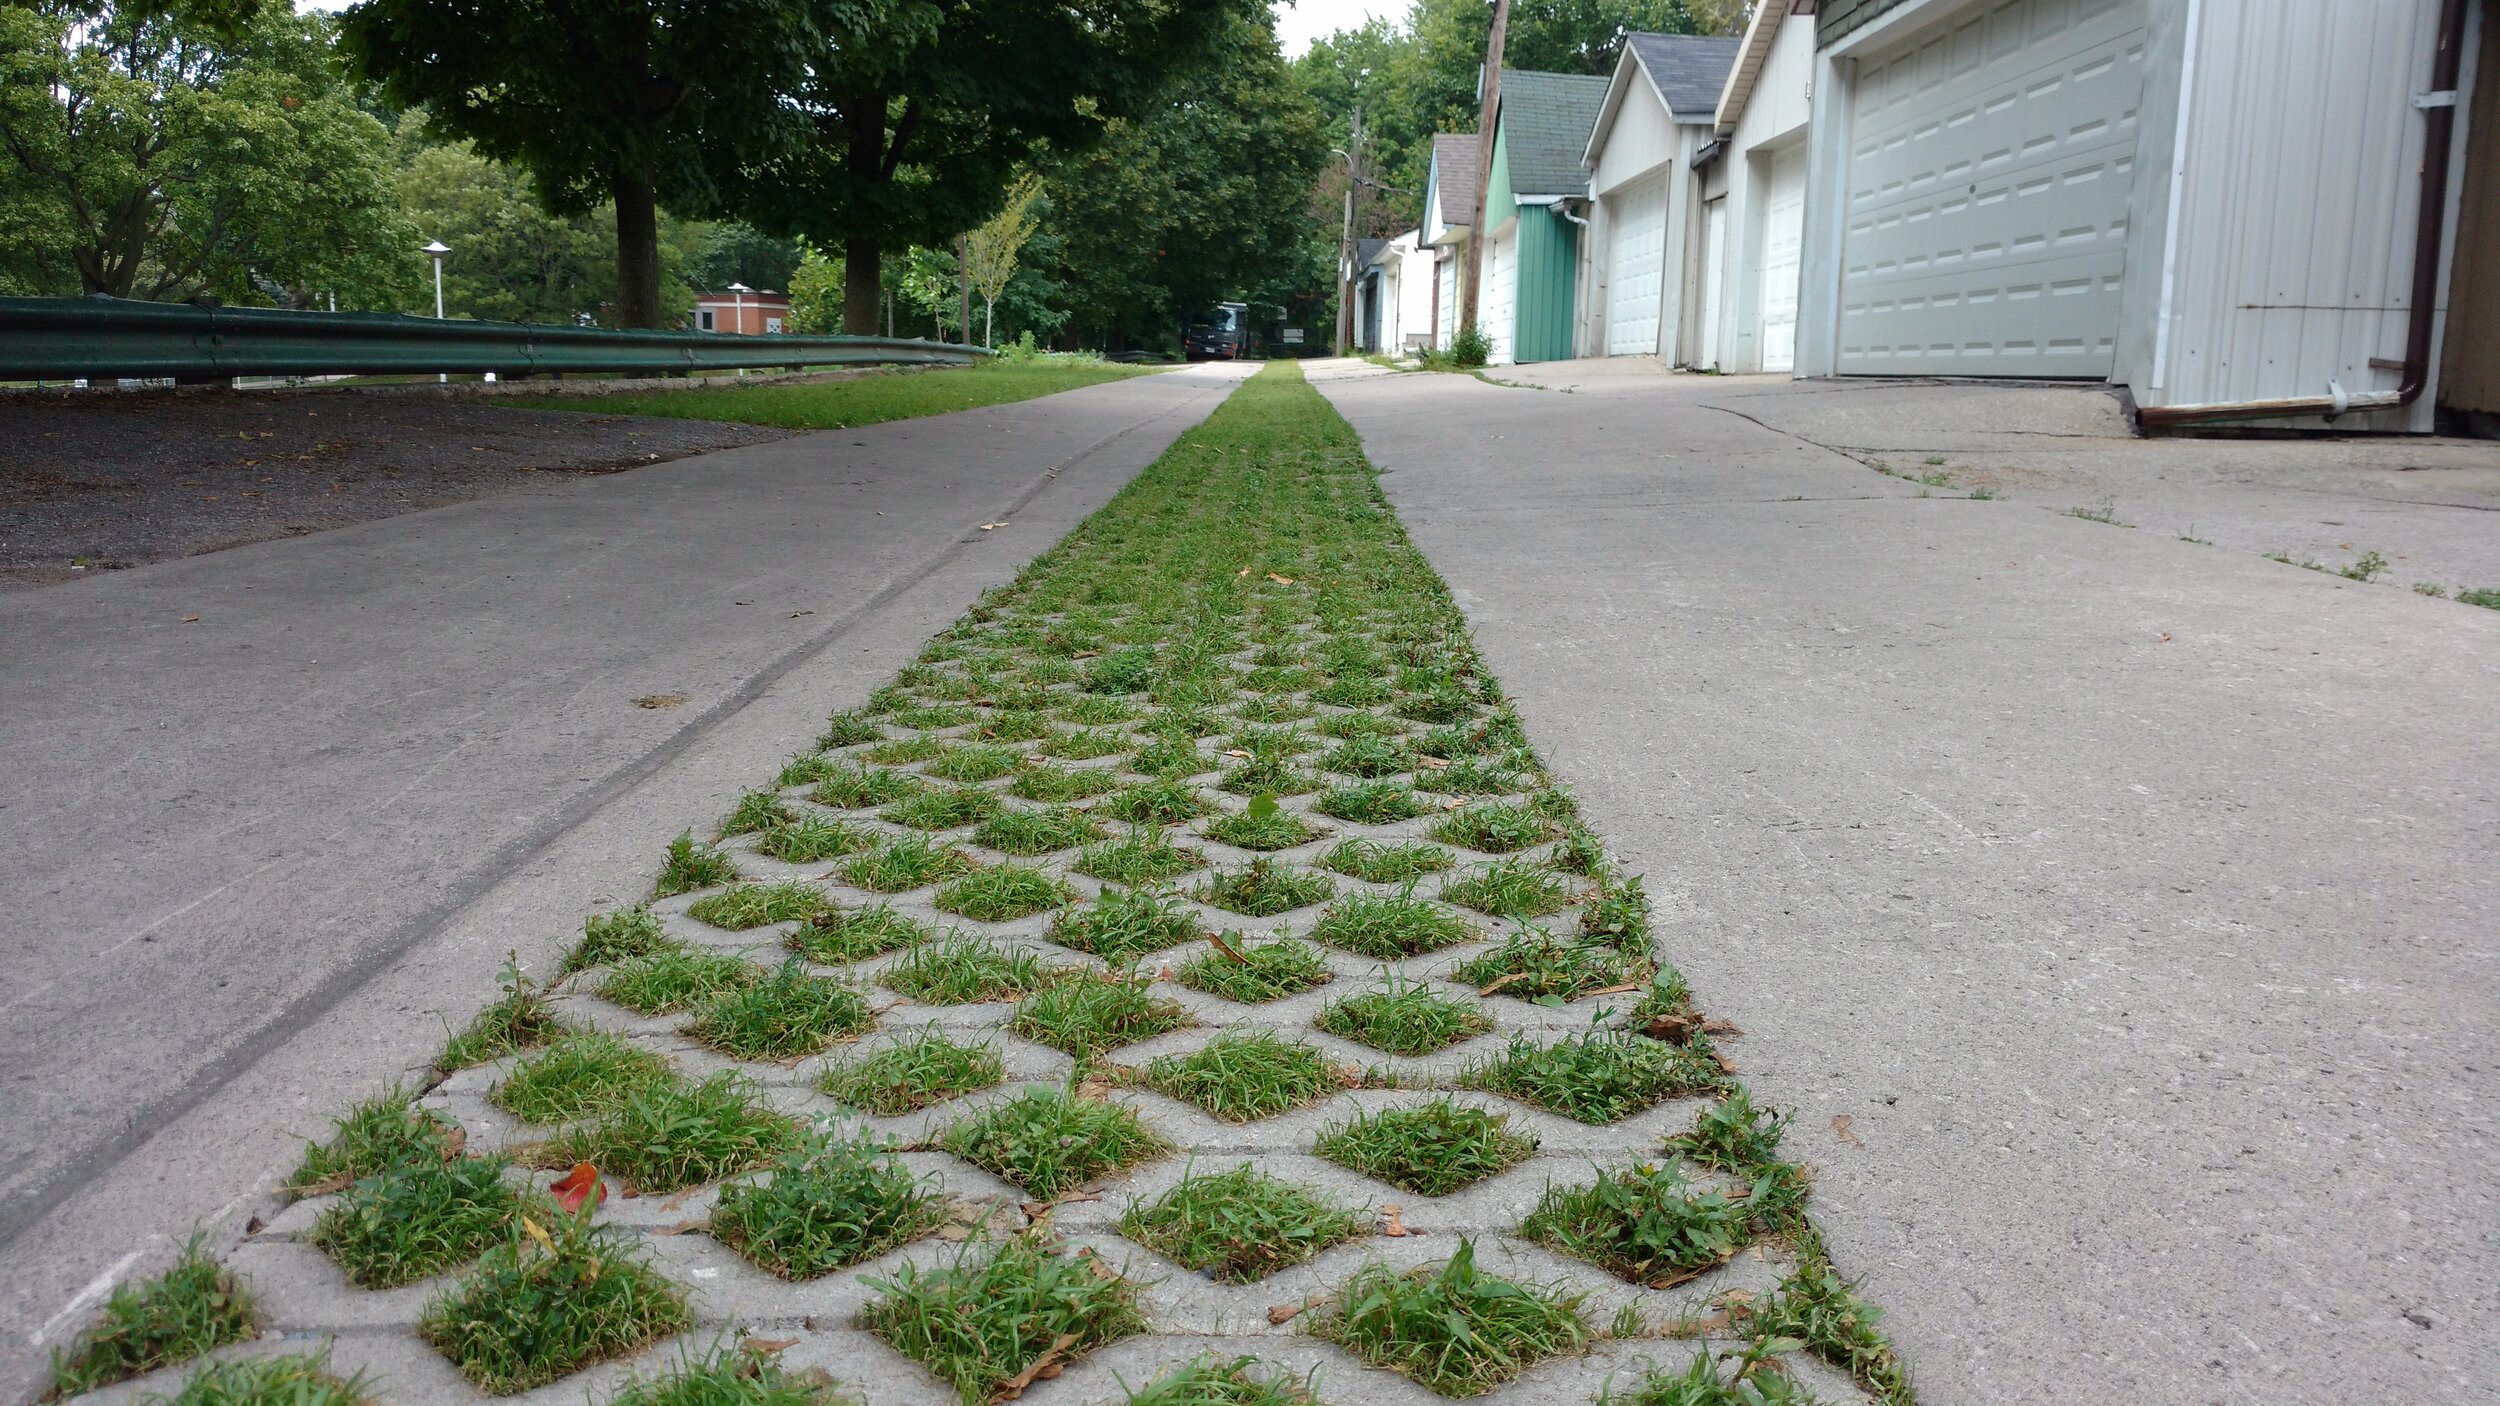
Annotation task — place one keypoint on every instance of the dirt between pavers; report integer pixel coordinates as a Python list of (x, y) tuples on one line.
[(95, 482)]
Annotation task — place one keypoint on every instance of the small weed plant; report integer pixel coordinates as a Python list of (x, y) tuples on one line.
[(829, 1203), (1239, 1226)]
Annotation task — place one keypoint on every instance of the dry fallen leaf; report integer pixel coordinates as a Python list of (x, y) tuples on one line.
[(1502, 981), (992, 526), (1431, 763), (1724, 1029), (659, 700), (1230, 955), (2165, 637), (1286, 1312), (538, 1234), (683, 1227), (1726, 1065), (1840, 1125), (1615, 990), (1043, 1368), (1674, 1029), (1235, 752), (1280, 580), (1393, 1221), (454, 1145), (324, 1187), (770, 1344), (190, 620)]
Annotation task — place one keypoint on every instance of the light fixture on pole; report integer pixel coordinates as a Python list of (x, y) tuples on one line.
[(435, 250), (738, 306)]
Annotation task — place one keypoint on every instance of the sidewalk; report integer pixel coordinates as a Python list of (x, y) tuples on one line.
[(273, 812), (2115, 911)]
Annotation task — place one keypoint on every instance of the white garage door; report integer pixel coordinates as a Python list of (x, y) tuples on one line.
[(1783, 240), (1636, 262), (1501, 296), (1989, 167)]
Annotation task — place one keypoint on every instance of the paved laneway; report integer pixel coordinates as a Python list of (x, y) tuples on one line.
[(2133, 900), (270, 813)]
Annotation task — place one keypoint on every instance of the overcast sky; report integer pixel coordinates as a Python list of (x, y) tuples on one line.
[(1300, 23)]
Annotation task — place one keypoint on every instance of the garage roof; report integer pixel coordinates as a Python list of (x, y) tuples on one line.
[(1689, 71), (1546, 119)]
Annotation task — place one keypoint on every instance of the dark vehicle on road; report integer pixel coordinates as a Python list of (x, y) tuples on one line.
[(1220, 335)]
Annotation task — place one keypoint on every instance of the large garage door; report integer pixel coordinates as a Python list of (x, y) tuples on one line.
[(1636, 261), (1783, 240), (1501, 296), (1989, 166)]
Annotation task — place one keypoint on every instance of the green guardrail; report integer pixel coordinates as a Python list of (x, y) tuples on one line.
[(65, 338)]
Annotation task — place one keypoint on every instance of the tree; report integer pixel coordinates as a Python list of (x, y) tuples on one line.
[(159, 151), (1207, 199), (816, 293), (631, 102), (733, 252), (990, 251), (914, 134)]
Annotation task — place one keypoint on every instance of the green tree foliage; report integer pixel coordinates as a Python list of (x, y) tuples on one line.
[(816, 293), (733, 252), (168, 151), (917, 128), (1205, 200), (991, 251), (628, 102), (1420, 78)]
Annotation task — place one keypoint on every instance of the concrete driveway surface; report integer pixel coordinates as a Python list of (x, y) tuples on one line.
[(2133, 899), (272, 816)]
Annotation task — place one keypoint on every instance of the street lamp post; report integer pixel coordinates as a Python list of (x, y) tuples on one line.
[(738, 306), (435, 250)]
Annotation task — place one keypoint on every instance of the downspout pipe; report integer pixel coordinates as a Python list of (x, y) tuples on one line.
[(2429, 242)]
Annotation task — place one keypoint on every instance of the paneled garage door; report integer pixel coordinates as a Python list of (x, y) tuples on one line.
[(1783, 241), (1989, 165), (1501, 296), (1636, 261)]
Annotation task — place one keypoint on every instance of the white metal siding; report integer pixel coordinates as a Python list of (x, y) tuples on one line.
[(1990, 163), (2303, 165), (1713, 274), (1500, 296), (1448, 318), (1783, 240), (1636, 261)]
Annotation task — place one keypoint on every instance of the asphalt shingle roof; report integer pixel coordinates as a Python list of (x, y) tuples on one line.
[(1366, 250), (1546, 119), (1455, 154), (1688, 70)]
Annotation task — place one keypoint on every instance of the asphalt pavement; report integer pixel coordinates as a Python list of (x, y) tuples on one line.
[(2117, 913), (272, 816)]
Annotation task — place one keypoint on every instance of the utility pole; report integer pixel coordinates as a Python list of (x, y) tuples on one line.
[(1472, 269), (1347, 273)]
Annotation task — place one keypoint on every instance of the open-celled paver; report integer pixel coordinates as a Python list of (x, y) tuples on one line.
[(1241, 672)]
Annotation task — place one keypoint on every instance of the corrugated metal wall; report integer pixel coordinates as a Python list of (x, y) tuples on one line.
[(1549, 261), (2295, 246)]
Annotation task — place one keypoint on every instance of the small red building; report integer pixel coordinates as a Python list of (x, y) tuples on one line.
[(749, 311)]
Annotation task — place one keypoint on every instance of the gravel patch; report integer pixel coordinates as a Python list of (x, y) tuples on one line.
[(101, 482)]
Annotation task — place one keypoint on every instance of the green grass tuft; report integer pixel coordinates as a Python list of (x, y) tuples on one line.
[(1431, 1149), (1646, 1224), (690, 866), (812, 839), (1048, 1140), (418, 1220), (1404, 1018), (1088, 1015), (1732, 1135), (1494, 829), (1390, 926), (906, 862), (741, 1376), (743, 906), (1535, 965), (854, 787), (1244, 1075), (674, 1135), (539, 1310), (959, 970), (1003, 893), (372, 1137), (1269, 829), (829, 1203), (999, 1309), (1030, 832), (920, 1072), (1599, 1077), (851, 935), (1263, 889), (1143, 858), (1372, 803), (191, 1308), (1239, 1226), (974, 762), (1237, 971), (783, 1016), (1509, 888), (282, 1379), (675, 978), (1124, 925), (1385, 864), (1217, 1381), (608, 938), (579, 1074), (1452, 1327), (943, 808), (1167, 802), (756, 810)]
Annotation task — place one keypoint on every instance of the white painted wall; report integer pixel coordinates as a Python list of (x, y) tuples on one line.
[(1641, 140), (1774, 120), (1413, 308)]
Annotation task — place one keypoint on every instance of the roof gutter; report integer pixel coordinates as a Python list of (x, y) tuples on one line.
[(2439, 113)]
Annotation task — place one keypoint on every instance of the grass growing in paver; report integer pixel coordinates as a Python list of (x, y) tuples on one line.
[(853, 934), (1819, 1308), (1246, 616), (690, 865), (1088, 1015), (1647, 1223), (1124, 925), (557, 1295), (960, 970), (577, 1075), (1223, 1381), (1050, 1140), (849, 404), (417, 1220), (1239, 1076), (614, 937), (1452, 1327), (829, 1203), (678, 1134), (782, 1016), (743, 906), (283, 1379), (1751, 1381), (1240, 1226), (1386, 864), (919, 1072), (1269, 971), (675, 978), (1404, 1018), (1001, 1310), (726, 1376), (191, 1308), (1732, 1135), (519, 1021), (1431, 1149), (1389, 926), (375, 1135), (1601, 1077), (1140, 859)]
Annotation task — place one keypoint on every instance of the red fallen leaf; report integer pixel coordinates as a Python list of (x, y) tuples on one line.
[(579, 1185)]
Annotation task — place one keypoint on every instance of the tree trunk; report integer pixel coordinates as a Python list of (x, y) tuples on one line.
[(989, 322), (637, 251), (863, 278), (963, 289)]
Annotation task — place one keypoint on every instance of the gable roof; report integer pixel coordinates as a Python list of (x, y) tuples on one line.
[(1454, 163), (1367, 251), (1753, 51), (1546, 118), (1688, 70)]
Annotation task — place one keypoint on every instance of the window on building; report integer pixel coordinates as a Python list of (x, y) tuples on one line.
[(772, 326), (707, 319)]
